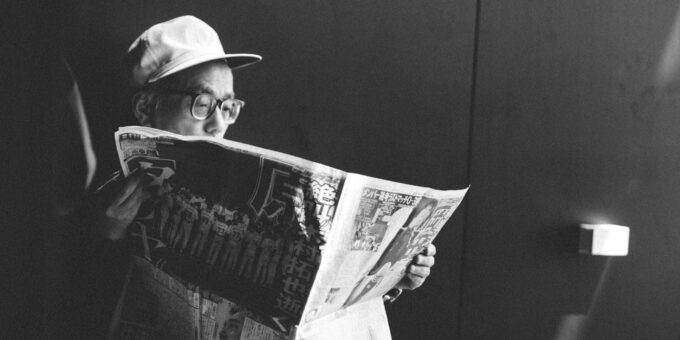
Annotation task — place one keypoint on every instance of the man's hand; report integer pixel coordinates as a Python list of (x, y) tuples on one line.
[(419, 269), (118, 205)]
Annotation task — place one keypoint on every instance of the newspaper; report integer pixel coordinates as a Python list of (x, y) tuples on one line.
[(240, 242)]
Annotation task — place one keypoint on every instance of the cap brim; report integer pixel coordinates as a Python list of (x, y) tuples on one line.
[(242, 60), (234, 61)]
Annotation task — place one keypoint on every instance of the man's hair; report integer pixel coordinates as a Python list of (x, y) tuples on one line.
[(174, 81)]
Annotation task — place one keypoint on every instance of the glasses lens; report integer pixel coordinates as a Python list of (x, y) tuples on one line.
[(232, 107), (203, 106)]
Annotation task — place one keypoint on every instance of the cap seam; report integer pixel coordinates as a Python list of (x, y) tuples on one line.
[(153, 55)]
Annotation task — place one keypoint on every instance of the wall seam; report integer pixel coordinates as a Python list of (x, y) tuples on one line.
[(473, 93)]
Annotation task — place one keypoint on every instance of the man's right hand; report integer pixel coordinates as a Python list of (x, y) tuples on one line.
[(118, 204)]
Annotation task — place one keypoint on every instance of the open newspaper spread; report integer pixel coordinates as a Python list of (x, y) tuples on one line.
[(240, 242)]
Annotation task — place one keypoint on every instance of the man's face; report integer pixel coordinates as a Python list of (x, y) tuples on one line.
[(172, 112)]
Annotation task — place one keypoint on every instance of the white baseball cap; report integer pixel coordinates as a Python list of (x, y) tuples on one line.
[(175, 45)]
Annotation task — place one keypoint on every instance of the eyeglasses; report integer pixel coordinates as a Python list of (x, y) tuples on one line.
[(203, 105)]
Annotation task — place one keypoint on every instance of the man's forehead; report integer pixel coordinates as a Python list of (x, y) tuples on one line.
[(215, 78)]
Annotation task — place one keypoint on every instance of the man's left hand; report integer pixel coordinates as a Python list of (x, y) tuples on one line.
[(419, 269)]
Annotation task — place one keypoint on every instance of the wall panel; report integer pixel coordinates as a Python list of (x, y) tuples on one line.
[(571, 127)]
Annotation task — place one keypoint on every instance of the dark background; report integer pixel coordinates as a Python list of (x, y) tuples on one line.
[(553, 111)]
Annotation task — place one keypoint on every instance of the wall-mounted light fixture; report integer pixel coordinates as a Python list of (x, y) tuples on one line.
[(604, 239)]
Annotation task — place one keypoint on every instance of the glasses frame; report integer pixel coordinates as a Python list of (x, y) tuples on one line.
[(217, 102)]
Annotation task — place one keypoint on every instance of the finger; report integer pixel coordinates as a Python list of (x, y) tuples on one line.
[(132, 203), (418, 271), (422, 260), (129, 187), (430, 250), (119, 208), (414, 281)]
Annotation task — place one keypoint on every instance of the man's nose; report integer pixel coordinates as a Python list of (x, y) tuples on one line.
[(217, 124)]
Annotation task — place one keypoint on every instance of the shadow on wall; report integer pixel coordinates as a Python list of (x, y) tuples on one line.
[(573, 326)]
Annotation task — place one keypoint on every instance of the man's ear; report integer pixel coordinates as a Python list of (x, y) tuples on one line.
[(143, 107)]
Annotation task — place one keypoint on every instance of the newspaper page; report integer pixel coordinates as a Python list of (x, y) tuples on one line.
[(379, 227), (362, 321), (243, 229), (158, 306), (244, 223)]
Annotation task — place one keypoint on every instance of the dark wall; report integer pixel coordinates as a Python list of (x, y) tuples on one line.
[(573, 120), (572, 124), (380, 88)]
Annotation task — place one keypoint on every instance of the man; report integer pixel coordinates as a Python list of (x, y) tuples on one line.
[(184, 84)]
